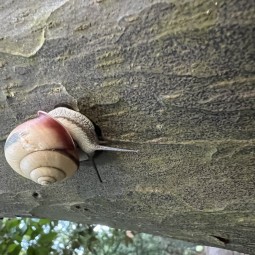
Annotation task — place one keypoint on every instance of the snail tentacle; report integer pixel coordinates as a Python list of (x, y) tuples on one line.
[(95, 167)]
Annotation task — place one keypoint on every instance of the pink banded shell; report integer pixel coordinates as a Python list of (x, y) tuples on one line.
[(42, 150)]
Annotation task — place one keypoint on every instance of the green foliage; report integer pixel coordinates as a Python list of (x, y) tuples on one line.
[(42, 236), (26, 236)]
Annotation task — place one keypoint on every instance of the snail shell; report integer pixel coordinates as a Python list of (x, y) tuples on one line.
[(42, 150)]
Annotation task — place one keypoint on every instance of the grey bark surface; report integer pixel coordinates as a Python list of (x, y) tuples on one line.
[(173, 79)]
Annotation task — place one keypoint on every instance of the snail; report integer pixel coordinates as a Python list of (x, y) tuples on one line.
[(46, 149)]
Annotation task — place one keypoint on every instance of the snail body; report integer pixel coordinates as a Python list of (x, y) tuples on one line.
[(82, 130), (45, 149)]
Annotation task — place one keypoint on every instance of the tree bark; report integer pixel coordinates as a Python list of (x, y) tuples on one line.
[(173, 79)]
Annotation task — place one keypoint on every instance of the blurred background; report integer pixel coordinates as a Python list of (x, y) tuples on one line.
[(21, 236)]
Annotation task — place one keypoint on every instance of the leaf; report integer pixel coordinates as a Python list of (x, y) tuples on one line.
[(16, 250), (12, 247), (29, 231), (18, 238), (82, 240), (23, 229), (43, 251), (34, 234), (12, 223), (31, 251), (53, 223), (75, 244), (91, 243), (82, 233), (44, 221), (47, 238)]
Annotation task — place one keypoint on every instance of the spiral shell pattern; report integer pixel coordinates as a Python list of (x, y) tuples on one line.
[(42, 150)]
